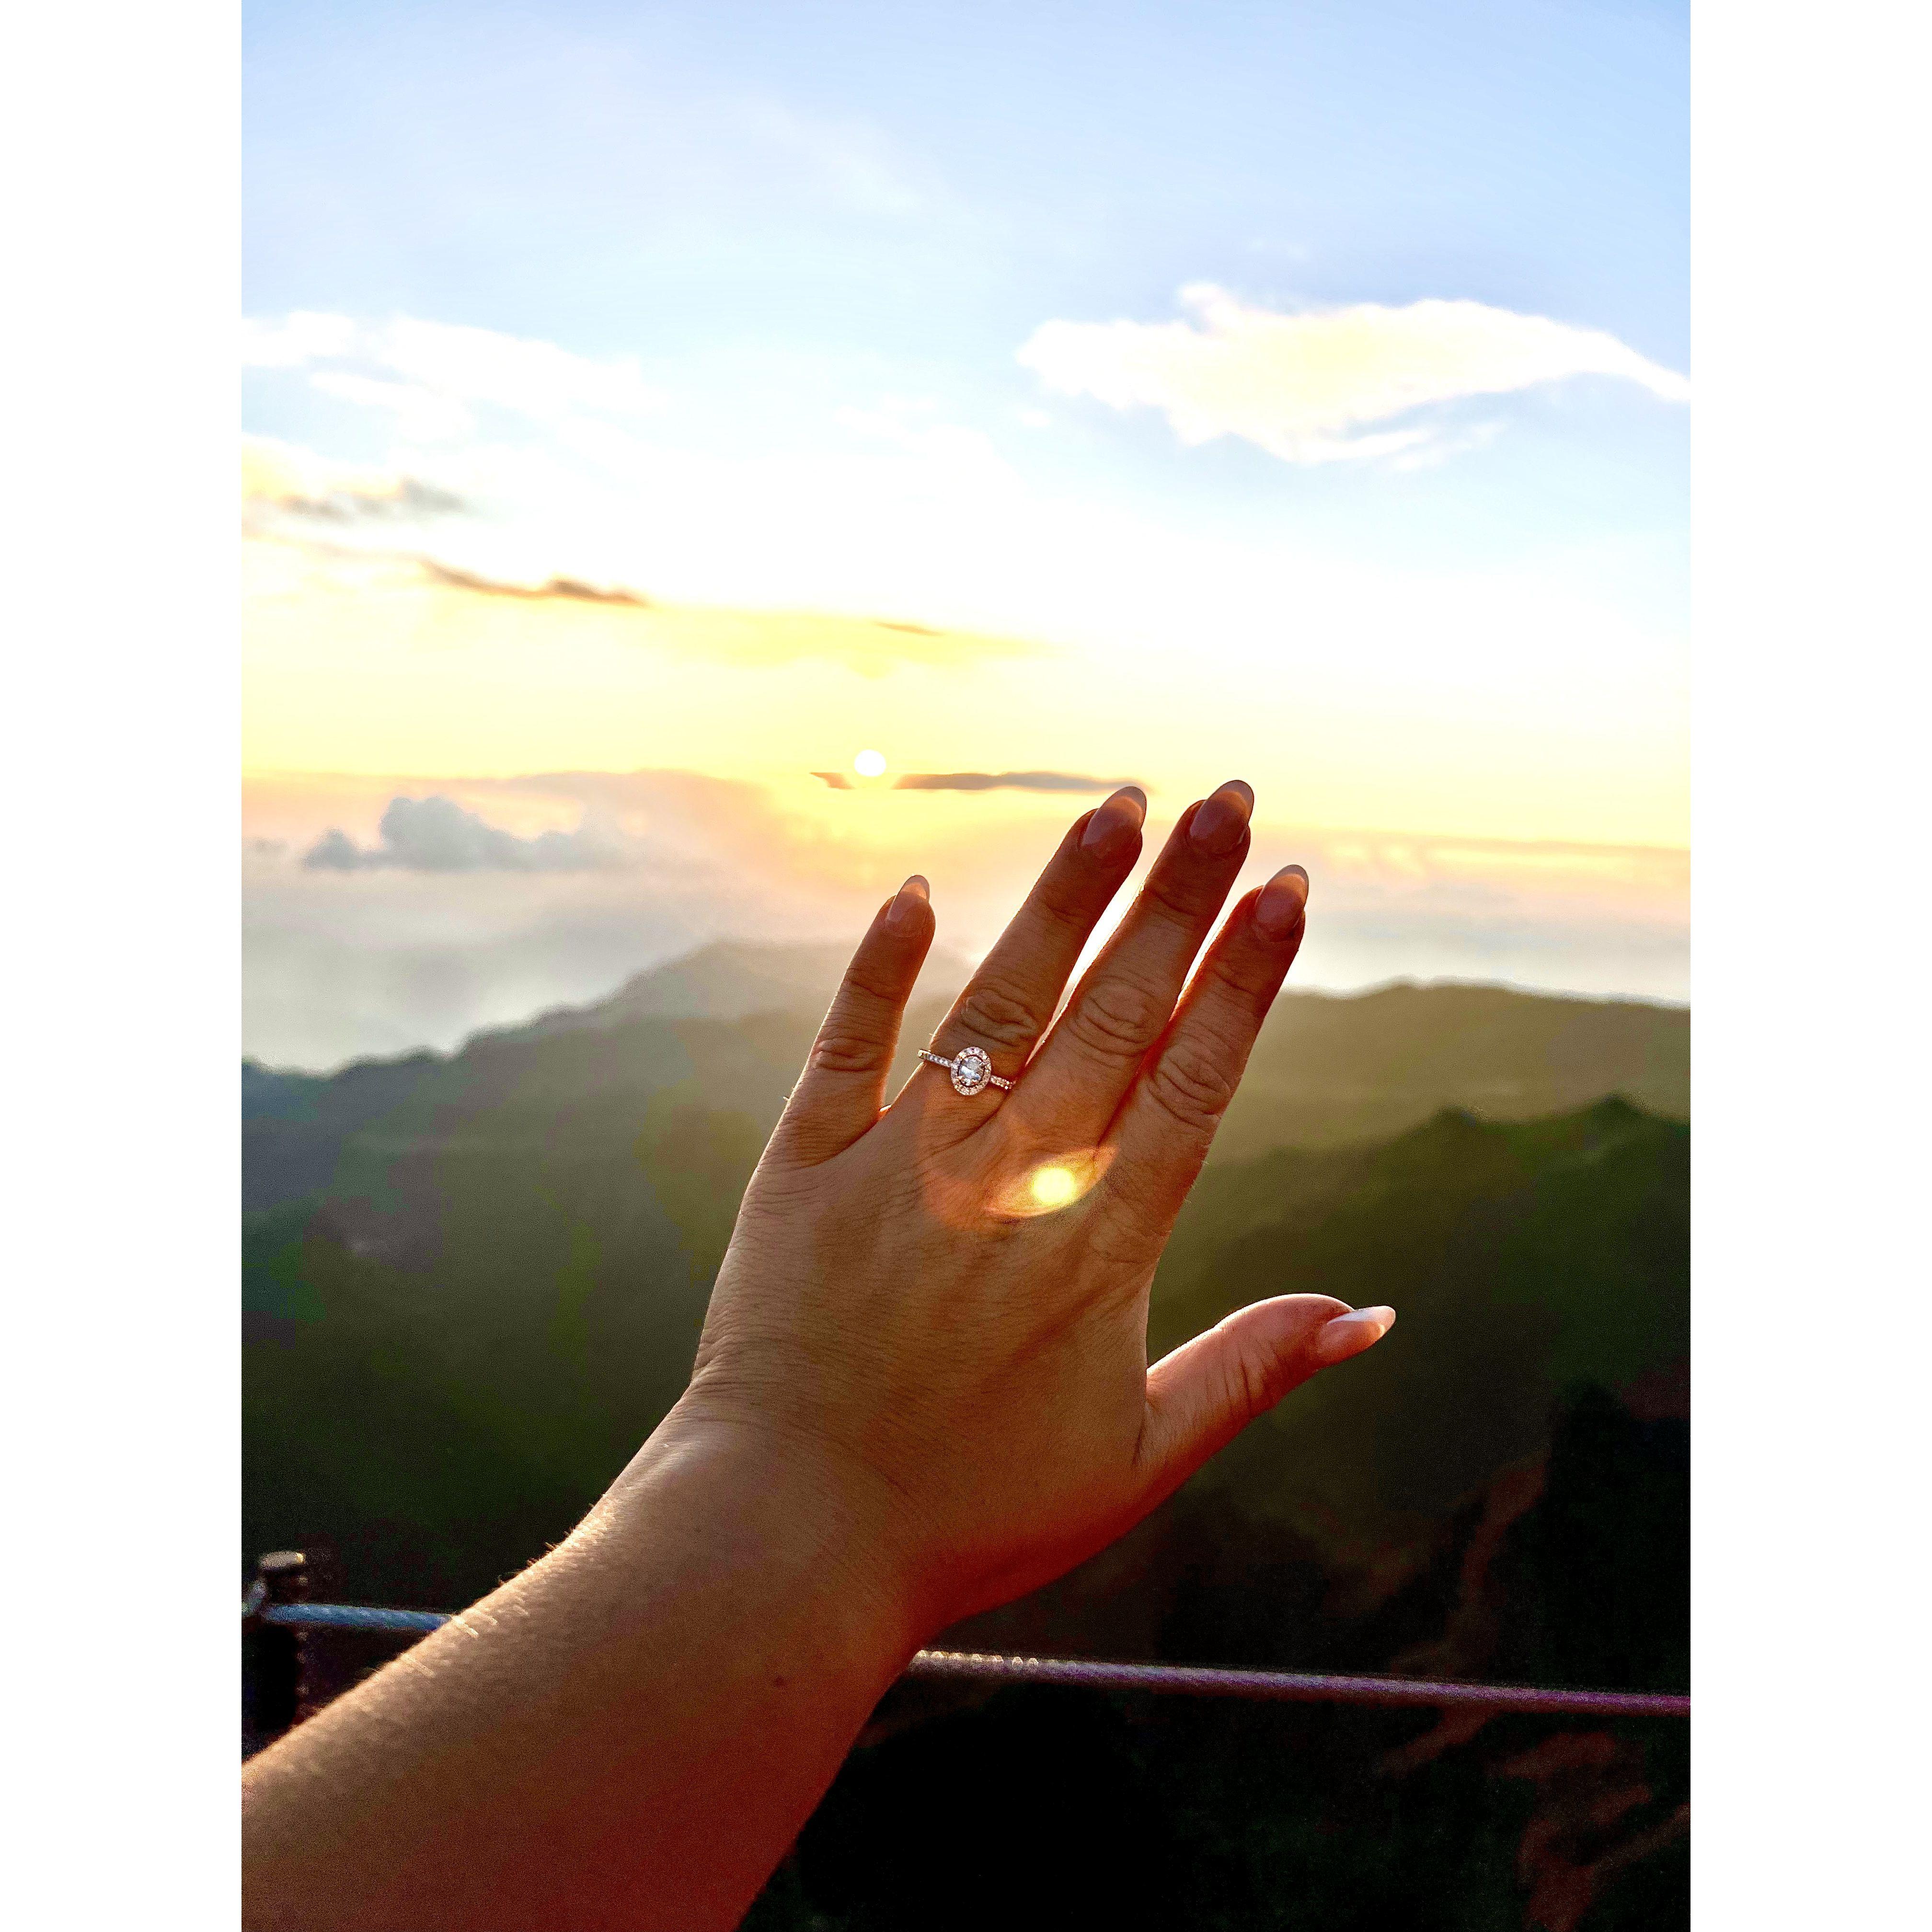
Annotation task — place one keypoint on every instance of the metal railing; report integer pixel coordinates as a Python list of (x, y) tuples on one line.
[(277, 1614)]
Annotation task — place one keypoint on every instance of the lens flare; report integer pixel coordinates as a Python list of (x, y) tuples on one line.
[(1052, 1185), (1055, 1186), (870, 764)]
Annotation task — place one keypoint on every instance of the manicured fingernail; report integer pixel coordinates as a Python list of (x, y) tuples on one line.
[(1349, 1334), (1111, 828), (903, 916), (1279, 910), (1220, 821)]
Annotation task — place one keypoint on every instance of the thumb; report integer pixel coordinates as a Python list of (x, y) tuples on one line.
[(1204, 1394)]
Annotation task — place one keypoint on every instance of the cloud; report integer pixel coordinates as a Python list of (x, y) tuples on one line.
[(372, 960), (352, 558), (1307, 386), (1006, 781), (570, 589), (984, 781), (433, 374), (436, 835), (277, 476), (422, 415)]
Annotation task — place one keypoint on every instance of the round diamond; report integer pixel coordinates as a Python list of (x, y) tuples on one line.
[(971, 1069)]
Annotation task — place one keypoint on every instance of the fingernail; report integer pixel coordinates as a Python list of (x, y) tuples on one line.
[(1279, 910), (903, 916), (1349, 1334), (1220, 821), (1114, 825)]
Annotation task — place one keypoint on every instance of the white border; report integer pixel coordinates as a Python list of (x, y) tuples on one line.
[(118, 129), (119, 140), (1813, 421)]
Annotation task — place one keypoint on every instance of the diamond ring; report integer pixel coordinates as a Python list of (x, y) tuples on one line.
[(971, 1070)]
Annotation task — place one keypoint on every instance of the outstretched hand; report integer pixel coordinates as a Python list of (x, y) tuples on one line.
[(943, 1303), (922, 1388)]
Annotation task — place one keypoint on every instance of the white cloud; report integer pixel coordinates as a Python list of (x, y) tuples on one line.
[(420, 414), (537, 379), (1308, 386), (446, 370), (436, 834)]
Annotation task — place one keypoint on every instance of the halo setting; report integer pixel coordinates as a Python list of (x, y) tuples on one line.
[(971, 1069)]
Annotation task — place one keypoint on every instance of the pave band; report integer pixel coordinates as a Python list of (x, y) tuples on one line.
[(971, 1069)]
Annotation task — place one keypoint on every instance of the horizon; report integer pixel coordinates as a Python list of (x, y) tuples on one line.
[(956, 962), (649, 412)]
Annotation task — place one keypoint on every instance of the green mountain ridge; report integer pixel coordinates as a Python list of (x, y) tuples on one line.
[(1328, 1069), (472, 1283)]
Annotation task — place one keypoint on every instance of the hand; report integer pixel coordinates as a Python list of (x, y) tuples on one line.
[(938, 1311), (922, 1388)]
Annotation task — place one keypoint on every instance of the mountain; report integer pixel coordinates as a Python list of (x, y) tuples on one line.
[(501, 1290), (729, 980), (473, 1283), (1328, 1070)]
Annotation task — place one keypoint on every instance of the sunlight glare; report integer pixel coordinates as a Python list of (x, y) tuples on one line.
[(1055, 1186), (870, 764)]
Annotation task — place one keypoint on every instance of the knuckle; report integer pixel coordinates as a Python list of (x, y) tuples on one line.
[(837, 1050), (1244, 977), (1191, 1088), (1000, 1014), (1173, 897), (866, 986), (1061, 906), (1251, 1380), (1117, 1019)]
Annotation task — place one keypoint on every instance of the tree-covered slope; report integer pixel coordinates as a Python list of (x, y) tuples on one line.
[(473, 1283)]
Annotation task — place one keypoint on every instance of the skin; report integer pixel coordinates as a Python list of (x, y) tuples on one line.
[(922, 1390)]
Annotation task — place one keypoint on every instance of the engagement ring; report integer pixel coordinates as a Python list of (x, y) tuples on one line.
[(972, 1071)]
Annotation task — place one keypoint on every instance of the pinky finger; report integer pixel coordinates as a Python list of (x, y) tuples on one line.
[(839, 1095)]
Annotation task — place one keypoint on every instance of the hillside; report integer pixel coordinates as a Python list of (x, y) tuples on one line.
[(732, 1024), (472, 1283), (457, 1340)]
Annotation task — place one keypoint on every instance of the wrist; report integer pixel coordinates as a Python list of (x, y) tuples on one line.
[(784, 1517)]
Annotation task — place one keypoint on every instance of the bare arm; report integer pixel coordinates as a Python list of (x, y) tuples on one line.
[(922, 1390)]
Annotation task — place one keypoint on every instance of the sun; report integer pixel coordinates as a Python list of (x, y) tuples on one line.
[(870, 764)]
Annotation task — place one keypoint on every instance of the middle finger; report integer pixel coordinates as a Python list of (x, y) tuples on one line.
[(1125, 999)]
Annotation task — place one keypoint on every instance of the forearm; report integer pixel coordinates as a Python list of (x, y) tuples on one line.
[(628, 1734)]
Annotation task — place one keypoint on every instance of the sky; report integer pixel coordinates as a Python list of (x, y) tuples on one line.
[(648, 409)]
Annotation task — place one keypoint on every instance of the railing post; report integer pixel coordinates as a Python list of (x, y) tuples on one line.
[(272, 1688)]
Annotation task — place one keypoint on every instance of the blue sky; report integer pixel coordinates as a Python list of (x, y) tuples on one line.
[(782, 207), (1297, 390)]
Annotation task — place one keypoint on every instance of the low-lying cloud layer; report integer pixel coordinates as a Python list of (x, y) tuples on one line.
[(1307, 386), (436, 835), (445, 920)]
